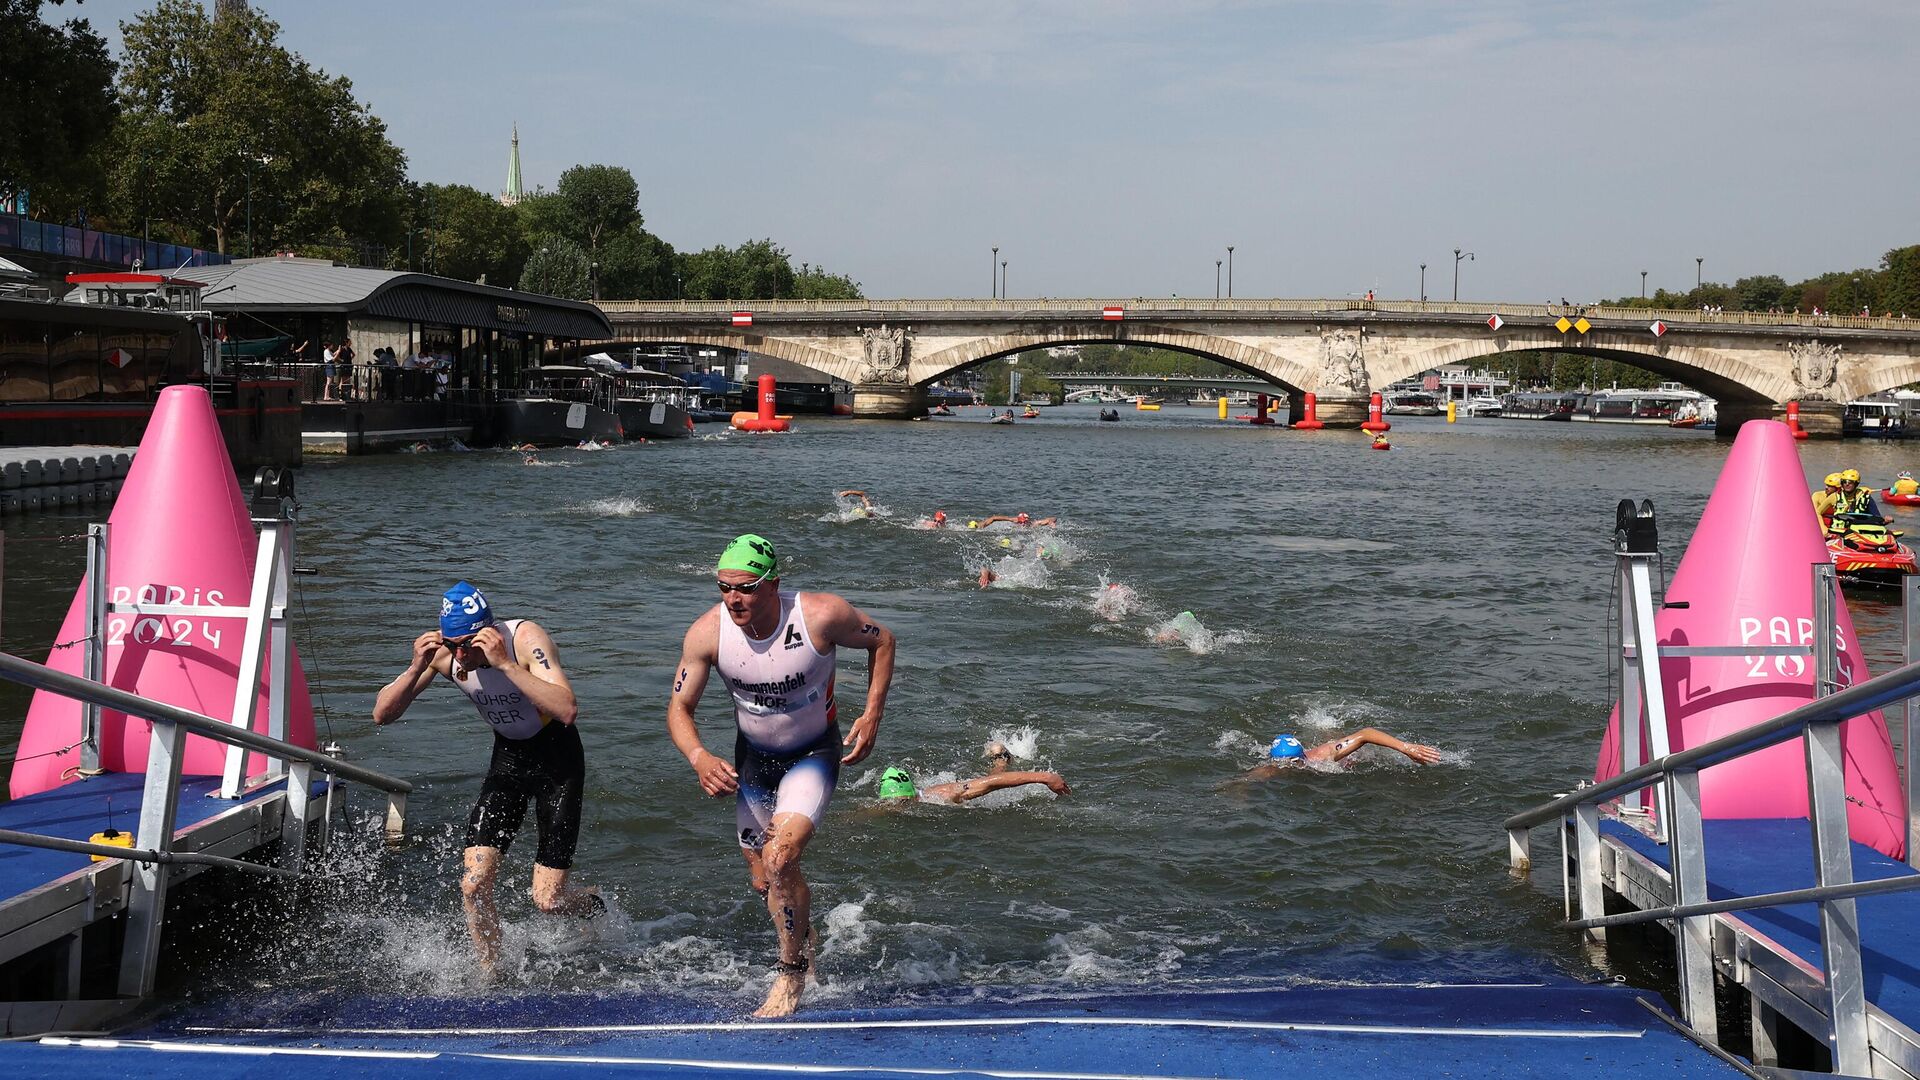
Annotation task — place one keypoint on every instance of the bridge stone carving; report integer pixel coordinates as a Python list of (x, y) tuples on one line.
[(891, 350)]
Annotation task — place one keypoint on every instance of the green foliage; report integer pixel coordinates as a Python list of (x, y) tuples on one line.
[(1761, 292), (56, 106), (557, 267), (814, 283), (595, 202), (1899, 281), (462, 232), (636, 263), (217, 116)]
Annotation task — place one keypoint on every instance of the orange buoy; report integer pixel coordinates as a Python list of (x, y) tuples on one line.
[(1311, 421), (1793, 421), (1375, 421), (764, 420)]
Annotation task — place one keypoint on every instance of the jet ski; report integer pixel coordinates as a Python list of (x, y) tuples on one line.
[(1864, 551)]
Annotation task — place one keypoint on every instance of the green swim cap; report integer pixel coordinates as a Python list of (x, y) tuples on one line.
[(896, 783), (753, 554)]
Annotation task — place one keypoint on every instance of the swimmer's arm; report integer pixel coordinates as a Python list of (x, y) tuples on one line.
[(848, 627), (984, 522), (538, 674), (1340, 748), (973, 789), (697, 654), (394, 697)]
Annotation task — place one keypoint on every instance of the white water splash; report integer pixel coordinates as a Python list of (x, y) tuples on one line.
[(615, 506), (1114, 601), (1022, 742)]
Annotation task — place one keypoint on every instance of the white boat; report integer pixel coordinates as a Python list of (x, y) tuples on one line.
[(1413, 403), (1480, 406), (1881, 416), (1660, 406)]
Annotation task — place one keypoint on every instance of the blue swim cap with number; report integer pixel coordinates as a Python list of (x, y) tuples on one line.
[(1285, 747), (463, 611)]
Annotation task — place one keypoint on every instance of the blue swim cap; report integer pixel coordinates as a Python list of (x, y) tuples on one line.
[(1286, 746), (463, 610)]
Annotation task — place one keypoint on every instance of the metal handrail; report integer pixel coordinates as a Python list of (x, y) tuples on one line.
[(1881, 690), (41, 677), (144, 855)]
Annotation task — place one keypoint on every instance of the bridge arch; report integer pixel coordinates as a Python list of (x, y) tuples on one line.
[(1724, 378), (793, 350), (1258, 362)]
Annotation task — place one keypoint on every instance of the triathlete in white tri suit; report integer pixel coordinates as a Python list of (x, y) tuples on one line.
[(774, 649), (511, 672)]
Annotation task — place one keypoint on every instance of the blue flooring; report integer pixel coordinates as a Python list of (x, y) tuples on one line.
[(78, 810), (1560, 1029), (1746, 857)]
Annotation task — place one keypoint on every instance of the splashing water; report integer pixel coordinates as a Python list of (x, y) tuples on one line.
[(1022, 742), (1114, 601), (616, 506)]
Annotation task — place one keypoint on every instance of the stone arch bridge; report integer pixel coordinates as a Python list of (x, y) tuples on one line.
[(1341, 350)]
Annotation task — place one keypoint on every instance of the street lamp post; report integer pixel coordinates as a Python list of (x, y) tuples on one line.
[(1423, 283), (1216, 279), (593, 278), (1699, 264), (1229, 271), (1643, 284), (995, 268), (1003, 279), (1457, 256)]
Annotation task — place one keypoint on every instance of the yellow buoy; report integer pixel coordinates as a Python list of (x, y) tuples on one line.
[(1451, 406), (1223, 407)]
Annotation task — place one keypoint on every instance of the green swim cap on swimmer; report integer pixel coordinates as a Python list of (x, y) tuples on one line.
[(752, 554), (896, 783)]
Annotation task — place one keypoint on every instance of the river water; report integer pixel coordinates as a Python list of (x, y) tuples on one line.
[(1452, 591)]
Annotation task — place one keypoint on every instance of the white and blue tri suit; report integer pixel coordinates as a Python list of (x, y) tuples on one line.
[(787, 754)]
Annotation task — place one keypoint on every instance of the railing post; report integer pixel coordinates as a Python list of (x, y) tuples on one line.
[(147, 901), (1632, 754), (246, 687), (1910, 621), (1833, 848), (1586, 828), (280, 643), (96, 644), (1692, 936), (293, 819), (1519, 849)]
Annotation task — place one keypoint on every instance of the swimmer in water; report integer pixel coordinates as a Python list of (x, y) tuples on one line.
[(1287, 750), (511, 672), (1021, 519), (775, 650), (937, 521), (1172, 633), (897, 786), (865, 509)]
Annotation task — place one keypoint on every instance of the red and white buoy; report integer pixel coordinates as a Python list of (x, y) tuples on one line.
[(1793, 421), (764, 419), (1375, 421), (1311, 420)]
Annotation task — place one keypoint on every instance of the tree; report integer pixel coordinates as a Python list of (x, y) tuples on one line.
[(814, 283), (56, 103), (1761, 292), (596, 201), (462, 232), (1900, 281), (557, 267), (220, 122), (636, 265), (1571, 371)]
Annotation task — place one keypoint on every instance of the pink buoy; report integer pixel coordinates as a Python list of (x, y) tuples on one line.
[(1310, 420), (1746, 579), (764, 419), (180, 535)]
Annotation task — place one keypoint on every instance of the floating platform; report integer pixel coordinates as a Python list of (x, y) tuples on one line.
[(56, 900), (1558, 1029), (1772, 955), (49, 477)]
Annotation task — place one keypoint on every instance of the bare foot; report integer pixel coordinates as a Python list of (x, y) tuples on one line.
[(784, 997)]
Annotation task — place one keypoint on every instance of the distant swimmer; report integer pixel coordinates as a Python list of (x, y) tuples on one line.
[(1178, 628), (988, 577), (897, 783), (1287, 749), (775, 650), (865, 509), (1017, 519), (511, 672), (937, 521)]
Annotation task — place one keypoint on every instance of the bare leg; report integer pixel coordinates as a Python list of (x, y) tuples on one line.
[(553, 895), (476, 895), (789, 902)]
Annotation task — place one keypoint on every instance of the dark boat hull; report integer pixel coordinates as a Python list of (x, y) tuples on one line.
[(545, 422), (654, 420)]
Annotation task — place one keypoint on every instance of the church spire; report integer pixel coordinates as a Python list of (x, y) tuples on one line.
[(514, 192)]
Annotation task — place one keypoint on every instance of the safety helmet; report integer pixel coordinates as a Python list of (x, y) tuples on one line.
[(896, 783), (1833, 479), (1851, 476)]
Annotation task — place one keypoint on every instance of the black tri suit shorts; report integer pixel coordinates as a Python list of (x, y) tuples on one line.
[(549, 770)]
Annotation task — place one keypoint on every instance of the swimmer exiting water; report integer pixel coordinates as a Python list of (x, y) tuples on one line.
[(1286, 750), (775, 651), (897, 786), (511, 672)]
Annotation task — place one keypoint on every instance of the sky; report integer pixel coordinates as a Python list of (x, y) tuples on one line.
[(1115, 148)]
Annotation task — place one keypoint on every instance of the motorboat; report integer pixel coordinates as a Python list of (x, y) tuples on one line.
[(1639, 406), (1412, 403), (1542, 405), (561, 406), (1481, 406), (651, 404), (1878, 416)]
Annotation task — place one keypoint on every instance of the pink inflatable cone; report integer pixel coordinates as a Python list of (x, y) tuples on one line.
[(180, 534), (1747, 579)]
